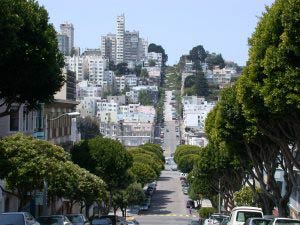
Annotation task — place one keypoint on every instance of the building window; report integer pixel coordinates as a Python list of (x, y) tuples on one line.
[(14, 119)]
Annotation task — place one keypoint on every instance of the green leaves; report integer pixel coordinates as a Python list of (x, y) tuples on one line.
[(29, 161), (29, 60)]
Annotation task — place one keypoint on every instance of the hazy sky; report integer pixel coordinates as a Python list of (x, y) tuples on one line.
[(221, 26)]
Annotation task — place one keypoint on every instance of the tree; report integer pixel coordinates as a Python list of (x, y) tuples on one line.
[(30, 162), (186, 162), (143, 173), (183, 150), (144, 73), (158, 49), (88, 127), (30, 61), (198, 54), (122, 69), (111, 161), (214, 59), (144, 98), (245, 197), (80, 154), (152, 63)]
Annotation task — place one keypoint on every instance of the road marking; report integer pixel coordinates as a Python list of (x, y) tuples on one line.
[(170, 215)]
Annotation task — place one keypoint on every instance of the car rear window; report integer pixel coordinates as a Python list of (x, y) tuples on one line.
[(242, 216), (289, 222), (260, 222), (75, 219), (50, 220), (12, 219)]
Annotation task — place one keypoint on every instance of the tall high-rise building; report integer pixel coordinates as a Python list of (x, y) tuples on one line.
[(108, 46), (63, 44), (120, 38), (68, 29), (131, 46)]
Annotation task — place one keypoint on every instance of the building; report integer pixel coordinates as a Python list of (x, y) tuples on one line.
[(120, 38), (68, 30), (63, 44), (108, 46), (86, 89), (153, 57), (76, 64), (88, 106), (131, 47), (121, 99), (96, 65), (92, 52), (133, 94)]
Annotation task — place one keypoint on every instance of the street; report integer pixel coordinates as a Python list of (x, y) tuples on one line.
[(168, 204)]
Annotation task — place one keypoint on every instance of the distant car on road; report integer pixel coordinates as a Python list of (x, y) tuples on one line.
[(190, 204), (167, 130)]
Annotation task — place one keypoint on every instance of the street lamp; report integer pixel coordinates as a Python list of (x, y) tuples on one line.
[(73, 133)]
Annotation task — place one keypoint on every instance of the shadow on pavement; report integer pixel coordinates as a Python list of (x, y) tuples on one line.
[(164, 178), (159, 202)]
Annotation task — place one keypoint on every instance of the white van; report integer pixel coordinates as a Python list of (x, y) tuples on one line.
[(240, 214)]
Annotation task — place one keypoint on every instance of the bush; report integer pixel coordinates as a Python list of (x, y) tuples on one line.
[(206, 212)]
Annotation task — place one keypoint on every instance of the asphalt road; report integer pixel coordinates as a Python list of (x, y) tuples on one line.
[(168, 204)]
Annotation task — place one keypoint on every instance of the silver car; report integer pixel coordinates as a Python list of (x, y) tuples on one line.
[(17, 218)]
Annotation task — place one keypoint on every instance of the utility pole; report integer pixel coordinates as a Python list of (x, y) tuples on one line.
[(219, 208)]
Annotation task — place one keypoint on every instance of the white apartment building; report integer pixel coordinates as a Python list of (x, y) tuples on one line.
[(68, 29), (76, 64), (88, 106), (195, 110), (153, 72), (120, 38), (156, 57), (220, 76), (120, 83), (96, 67), (131, 80), (87, 89), (133, 94)]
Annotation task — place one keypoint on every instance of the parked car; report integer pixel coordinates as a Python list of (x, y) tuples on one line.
[(78, 219), (102, 221), (144, 207), (190, 204), (284, 221), (185, 190), (194, 222), (218, 218), (131, 221), (257, 221), (17, 218), (114, 219), (239, 215), (54, 219), (225, 221)]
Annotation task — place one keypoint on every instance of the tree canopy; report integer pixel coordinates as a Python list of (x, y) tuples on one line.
[(30, 61), (158, 49)]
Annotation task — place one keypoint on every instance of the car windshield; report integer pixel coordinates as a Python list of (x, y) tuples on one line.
[(242, 216), (260, 222), (75, 218), (11, 219), (100, 222), (53, 220), (287, 222)]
